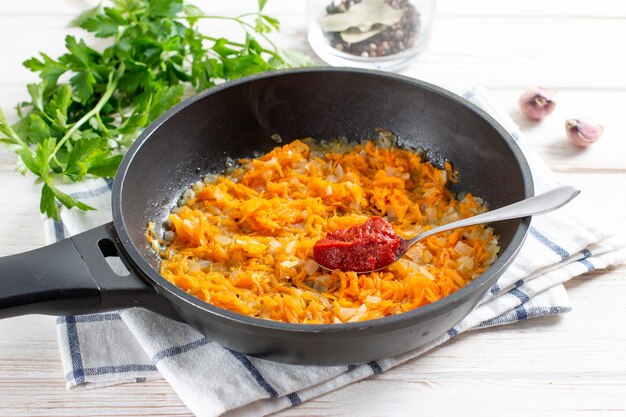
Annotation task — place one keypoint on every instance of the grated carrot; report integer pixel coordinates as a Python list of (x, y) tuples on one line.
[(243, 241)]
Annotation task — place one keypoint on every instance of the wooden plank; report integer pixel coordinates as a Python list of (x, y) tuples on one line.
[(48, 397), (533, 8), (22, 223), (71, 8), (513, 52), (485, 397), (466, 8), (487, 51)]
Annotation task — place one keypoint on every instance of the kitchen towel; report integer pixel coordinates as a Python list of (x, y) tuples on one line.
[(136, 345)]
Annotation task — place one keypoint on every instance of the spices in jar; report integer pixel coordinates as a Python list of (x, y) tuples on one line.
[(371, 28), (378, 34)]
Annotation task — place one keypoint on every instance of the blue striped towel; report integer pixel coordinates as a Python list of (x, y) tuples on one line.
[(136, 345)]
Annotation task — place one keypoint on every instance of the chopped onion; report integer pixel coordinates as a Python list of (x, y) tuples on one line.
[(321, 283), (223, 240), (204, 263), (373, 299), (218, 195), (360, 312), (290, 246), (465, 264), (327, 305), (274, 244), (463, 249), (345, 313), (310, 267), (339, 171), (289, 264), (197, 186), (426, 273), (169, 236)]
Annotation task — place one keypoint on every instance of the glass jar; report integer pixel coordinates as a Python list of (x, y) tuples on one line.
[(376, 34)]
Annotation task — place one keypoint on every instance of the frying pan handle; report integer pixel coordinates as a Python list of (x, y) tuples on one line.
[(49, 280), (73, 277)]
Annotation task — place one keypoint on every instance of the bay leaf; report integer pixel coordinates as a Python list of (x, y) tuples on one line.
[(363, 16), (354, 35)]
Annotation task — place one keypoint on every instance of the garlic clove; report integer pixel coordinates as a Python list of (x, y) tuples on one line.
[(536, 102), (582, 133)]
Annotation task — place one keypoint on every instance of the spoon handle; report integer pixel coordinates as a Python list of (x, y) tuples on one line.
[(539, 204)]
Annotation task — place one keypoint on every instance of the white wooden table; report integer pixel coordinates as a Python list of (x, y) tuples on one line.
[(573, 365)]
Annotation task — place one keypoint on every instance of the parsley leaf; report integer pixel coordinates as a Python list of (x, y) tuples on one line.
[(49, 70), (80, 54), (48, 204), (103, 166), (65, 199), (29, 161), (86, 15), (156, 54), (59, 105), (82, 85), (164, 8), (77, 162), (102, 26), (33, 128), (163, 99)]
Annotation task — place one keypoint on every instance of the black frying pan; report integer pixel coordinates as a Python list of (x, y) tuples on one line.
[(234, 120)]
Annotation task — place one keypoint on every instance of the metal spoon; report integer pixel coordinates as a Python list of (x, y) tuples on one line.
[(539, 204)]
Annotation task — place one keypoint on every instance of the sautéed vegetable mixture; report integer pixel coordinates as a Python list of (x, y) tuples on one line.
[(243, 240)]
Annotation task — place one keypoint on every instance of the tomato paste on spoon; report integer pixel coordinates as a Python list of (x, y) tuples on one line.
[(367, 247)]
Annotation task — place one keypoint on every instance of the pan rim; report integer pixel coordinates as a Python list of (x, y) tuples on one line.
[(424, 313)]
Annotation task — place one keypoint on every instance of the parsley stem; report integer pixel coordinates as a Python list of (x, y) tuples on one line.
[(241, 16), (56, 160), (6, 128), (102, 126), (45, 115), (112, 85), (238, 44), (267, 39), (226, 41), (244, 24)]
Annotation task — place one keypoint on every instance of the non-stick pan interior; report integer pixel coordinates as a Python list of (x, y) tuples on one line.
[(238, 119)]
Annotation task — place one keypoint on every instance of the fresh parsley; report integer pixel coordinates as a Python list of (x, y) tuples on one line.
[(82, 126)]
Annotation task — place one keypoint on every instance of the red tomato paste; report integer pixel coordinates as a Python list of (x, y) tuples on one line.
[(369, 246)]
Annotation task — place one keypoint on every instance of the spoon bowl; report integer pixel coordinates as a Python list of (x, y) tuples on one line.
[(542, 203)]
